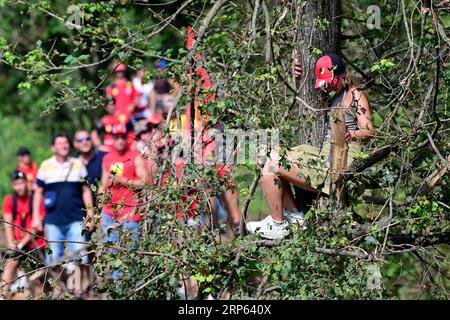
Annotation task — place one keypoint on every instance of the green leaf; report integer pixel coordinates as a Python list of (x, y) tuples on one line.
[(371, 240), (382, 65), (24, 85)]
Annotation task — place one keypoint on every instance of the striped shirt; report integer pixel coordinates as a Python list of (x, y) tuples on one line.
[(69, 204)]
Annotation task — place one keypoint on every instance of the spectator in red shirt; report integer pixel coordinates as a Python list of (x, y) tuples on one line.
[(123, 176), (17, 213), (104, 127), (123, 92), (27, 165)]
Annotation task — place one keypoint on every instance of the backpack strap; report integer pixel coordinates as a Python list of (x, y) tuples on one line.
[(30, 208), (14, 206), (30, 204)]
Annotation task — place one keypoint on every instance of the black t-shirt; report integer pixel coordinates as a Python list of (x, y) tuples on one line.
[(94, 167)]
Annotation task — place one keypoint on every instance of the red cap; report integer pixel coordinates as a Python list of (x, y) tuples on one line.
[(327, 68), (155, 118), (119, 129), (121, 67)]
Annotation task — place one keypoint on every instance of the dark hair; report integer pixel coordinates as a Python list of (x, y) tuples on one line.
[(60, 135), (162, 86), (23, 151), (81, 130)]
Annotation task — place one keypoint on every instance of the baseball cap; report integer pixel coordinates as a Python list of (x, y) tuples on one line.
[(17, 174), (121, 67), (23, 151), (327, 68), (119, 129)]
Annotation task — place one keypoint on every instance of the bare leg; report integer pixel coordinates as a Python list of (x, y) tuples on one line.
[(289, 201), (214, 217), (86, 276), (74, 278), (230, 200), (292, 176), (36, 288), (9, 271), (274, 191), (275, 183)]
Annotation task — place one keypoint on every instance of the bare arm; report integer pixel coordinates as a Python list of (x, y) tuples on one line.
[(36, 223), (9, 235), (88, 203), (141, 171), (104, 181), (364, 117), (87, 198), (96, 139), (25, 239), (153, 101), (141, 174)]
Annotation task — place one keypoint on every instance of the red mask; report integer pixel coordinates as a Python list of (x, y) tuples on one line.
[(328, 67)]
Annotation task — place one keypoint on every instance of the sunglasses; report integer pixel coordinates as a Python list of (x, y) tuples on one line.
[(79, 140)]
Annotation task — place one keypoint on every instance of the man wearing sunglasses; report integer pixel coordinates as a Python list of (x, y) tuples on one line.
[(90, 157), (92, 160)]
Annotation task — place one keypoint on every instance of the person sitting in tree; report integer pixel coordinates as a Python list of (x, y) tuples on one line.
[(310, 165)]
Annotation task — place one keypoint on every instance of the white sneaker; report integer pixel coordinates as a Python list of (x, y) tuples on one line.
[(20, 283), (193, 222), (268, 228), (296, 217)]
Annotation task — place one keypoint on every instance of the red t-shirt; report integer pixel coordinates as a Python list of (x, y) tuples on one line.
[(30, 172), (23, 218), (123, 200), (123, 93)]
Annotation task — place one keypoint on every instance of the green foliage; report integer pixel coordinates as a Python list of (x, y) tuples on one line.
[(292, 268), (382, 65), (16, 133), (53, 79)]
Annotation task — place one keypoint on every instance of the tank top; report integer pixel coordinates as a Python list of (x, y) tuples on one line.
[(350, 119)]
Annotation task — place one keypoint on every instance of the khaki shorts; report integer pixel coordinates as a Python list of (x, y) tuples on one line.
[(314, 163)]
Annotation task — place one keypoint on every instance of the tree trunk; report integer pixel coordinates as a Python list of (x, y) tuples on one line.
[(313, 33), (339, 153)]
